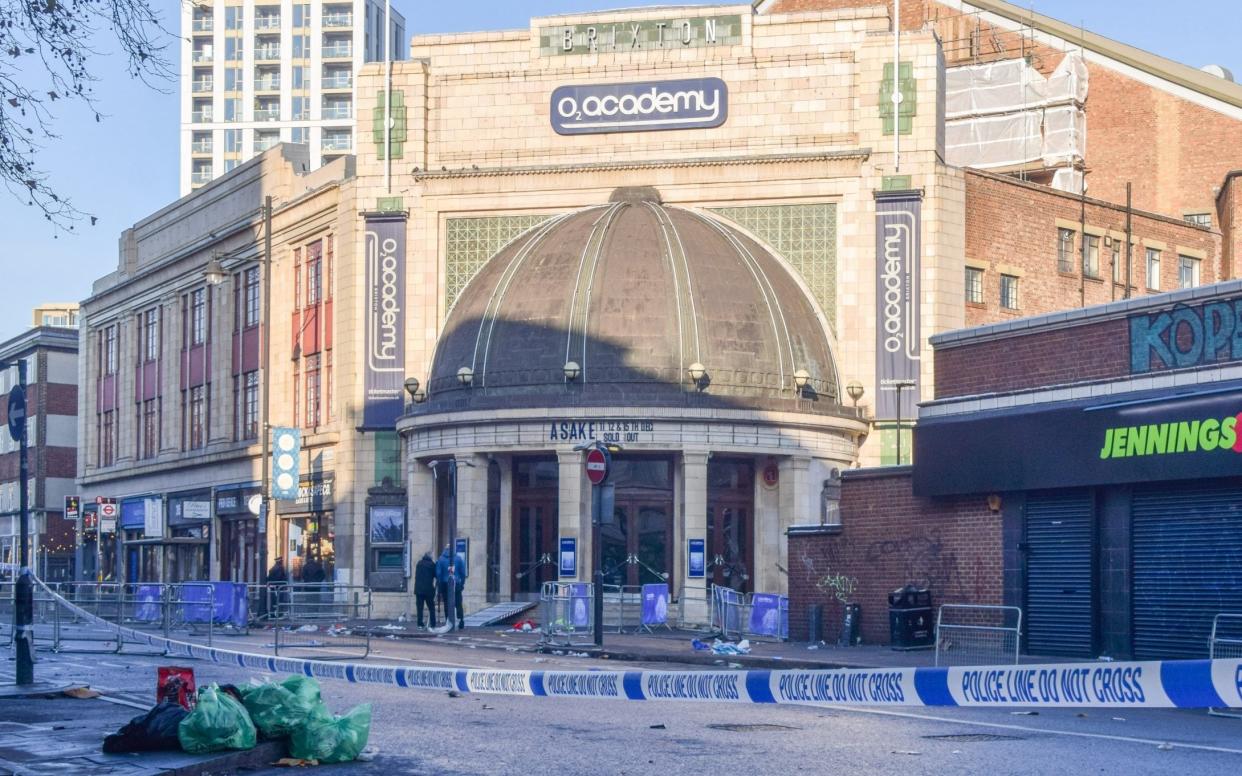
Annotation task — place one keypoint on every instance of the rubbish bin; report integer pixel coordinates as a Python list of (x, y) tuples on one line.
[(851, 625), (910, 623)]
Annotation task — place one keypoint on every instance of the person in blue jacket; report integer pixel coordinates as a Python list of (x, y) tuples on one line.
[(457, 573)]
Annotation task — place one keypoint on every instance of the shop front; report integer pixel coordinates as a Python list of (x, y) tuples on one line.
[(694, 355), (187, 545), (140, 556), (306, 531), (240, 548)]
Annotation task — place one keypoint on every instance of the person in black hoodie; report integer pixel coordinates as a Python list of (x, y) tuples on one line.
[(425, 588)]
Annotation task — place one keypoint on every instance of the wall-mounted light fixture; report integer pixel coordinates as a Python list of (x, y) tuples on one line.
[(214, 272), (411, 386), (801, 378), (571, 370), (855, 391), (465, 376), (698, 375), (994, 502)]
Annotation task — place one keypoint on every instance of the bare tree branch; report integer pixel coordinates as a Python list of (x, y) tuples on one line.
[(46, 54)]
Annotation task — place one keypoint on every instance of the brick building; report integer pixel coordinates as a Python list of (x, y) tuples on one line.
[(51, 355), (1080, 465)]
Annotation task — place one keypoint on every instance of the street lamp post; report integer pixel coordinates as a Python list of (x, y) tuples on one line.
[(900, 385), (23, 610)]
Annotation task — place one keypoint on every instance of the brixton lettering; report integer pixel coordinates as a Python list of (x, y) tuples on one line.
[(1185, 436), (1186, 336), (609, 37), (638, 107)]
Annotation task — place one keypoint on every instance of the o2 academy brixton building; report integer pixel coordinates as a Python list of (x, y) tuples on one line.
[(684, 232)]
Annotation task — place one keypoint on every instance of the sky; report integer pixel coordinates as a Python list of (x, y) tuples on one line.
[(125, 167)]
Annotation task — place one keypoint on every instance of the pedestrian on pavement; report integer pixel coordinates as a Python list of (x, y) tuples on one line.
[(277, 583), (425, 588), (451, 570)]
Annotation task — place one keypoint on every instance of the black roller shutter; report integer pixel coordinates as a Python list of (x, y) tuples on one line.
[(1187, 565), (1060, 574)]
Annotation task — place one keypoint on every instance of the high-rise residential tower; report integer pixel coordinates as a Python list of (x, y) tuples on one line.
[(258, 72)]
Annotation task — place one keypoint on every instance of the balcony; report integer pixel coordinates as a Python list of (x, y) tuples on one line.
[(267, 22), (338, 112), (338, 81), (267, 54), (267, 85), (201, 147), (203, 25), (203, 85), (201, 117), (338, 20), (338, 51), (336, 143), (198, 177), (267, 114), (201, 55)]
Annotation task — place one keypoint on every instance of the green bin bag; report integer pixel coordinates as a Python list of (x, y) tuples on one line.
[(277, 709), (217, 722), (330, 739)]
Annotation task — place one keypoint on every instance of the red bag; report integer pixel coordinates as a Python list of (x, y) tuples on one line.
[(176, 684)]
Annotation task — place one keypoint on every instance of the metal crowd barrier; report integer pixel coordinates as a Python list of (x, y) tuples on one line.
[(758, 616), (968, 634), (568, 613), (74, 632), (694, 610), (623, 608), (326, 621), (1226, 642)]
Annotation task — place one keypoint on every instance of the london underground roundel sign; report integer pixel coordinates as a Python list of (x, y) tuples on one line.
[(597, 465)]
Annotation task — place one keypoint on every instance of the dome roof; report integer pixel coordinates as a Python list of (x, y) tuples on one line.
[(634, 292)]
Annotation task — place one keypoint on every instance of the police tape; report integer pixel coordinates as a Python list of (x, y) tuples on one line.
[(1183, 684)]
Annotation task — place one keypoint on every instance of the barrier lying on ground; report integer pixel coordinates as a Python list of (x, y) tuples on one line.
[(1146, 684)]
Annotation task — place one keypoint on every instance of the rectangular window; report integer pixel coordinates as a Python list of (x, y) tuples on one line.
[(198, 417), (312, 396), (298, 77), (301, 15), (233, 17), (974, 285), (301, 46), (1153, 269), (233, 49), (1199, 219), (328, 388), (109, 351), (1187, 271), (1118, 275), (150, 429), (300, 109), (251, 297), (314, 253), (1065, 250), (232, 141), (265, 139), (231, 164), (1091, 256), (248, 406), (151, 334), (233, 79), (1009, 292), (107, 438), (232, 109), (198, 316), (299, 135)]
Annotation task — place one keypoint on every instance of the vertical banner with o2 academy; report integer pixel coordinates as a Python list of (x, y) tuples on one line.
[(897, 251), (384, 367)]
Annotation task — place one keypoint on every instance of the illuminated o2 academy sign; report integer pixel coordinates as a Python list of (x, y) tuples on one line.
[(692, 103)]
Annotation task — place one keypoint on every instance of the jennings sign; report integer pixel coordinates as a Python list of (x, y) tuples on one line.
[(384, 369), (591, 109), (897, 252)]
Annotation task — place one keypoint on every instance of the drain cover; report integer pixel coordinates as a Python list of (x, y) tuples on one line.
[(974, 737), (756, 728)]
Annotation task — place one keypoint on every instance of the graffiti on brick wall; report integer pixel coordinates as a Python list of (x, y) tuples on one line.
[(846, 568), (839, 586)]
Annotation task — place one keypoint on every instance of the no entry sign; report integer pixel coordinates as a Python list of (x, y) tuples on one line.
[(597, 465)]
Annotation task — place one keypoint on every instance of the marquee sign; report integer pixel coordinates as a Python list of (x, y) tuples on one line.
[(591, 109), (384, 366), (897, 253)]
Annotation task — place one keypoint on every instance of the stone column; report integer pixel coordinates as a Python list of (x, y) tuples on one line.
[(694, 526), (574, 509), (472, 525), (505, 551), (420, 483), (795, 500)]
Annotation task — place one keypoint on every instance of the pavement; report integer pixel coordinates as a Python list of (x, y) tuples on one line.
[(43, 730)]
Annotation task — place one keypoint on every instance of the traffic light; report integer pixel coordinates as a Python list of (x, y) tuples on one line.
[(286, 463)]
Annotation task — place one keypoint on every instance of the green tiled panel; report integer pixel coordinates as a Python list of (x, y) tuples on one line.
[(805, 236), (909, 98), (470, 242)]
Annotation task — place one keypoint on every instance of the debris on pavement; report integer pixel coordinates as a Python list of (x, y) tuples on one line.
[(294, 762), (219, 721), (154, 731), (719, 647), (332, 739), (660, 726), (524, 625), (904, 751), (1024, 713), (308, 628), (1164, 747), (453, 694), (82, 693), (391, 627)]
